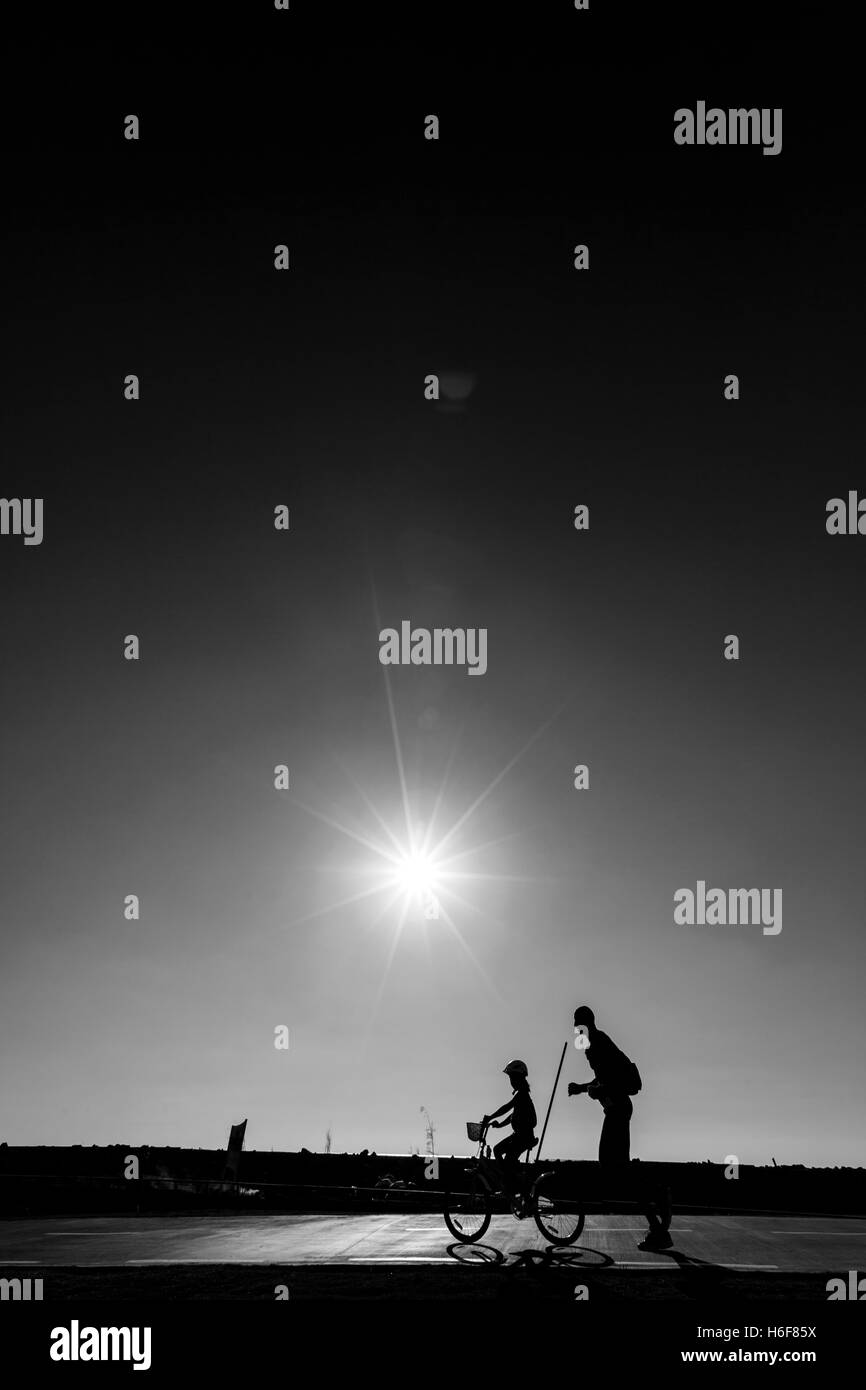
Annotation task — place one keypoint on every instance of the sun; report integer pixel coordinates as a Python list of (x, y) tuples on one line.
[(420, 867), (416, 873)]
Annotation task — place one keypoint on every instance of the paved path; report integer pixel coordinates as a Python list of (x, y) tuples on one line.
[(800, 1244)]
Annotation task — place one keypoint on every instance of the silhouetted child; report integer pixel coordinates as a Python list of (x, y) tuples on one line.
[(523, 1122)]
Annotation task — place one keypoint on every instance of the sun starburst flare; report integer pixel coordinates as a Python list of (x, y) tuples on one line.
[(414, 868)]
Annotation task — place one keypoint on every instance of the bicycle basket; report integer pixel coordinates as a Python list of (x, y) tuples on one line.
[(474, 1131)]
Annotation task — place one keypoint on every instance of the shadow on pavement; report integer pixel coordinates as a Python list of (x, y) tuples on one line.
[(475, 1254)]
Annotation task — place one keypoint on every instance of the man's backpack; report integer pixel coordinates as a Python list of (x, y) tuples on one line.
[(630, 1076)]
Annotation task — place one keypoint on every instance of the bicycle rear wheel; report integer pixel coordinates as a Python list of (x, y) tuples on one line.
[(467, 1214), (558, 1219)]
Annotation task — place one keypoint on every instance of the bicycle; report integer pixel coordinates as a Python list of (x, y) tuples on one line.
[(468, 1214)]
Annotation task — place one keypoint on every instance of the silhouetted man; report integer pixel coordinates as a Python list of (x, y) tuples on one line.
[(616, 1080)]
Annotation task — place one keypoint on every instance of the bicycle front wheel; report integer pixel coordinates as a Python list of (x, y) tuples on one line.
[(558, 1219), (467, 1214)]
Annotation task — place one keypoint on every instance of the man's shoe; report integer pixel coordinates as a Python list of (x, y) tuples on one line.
[(655, 1240)]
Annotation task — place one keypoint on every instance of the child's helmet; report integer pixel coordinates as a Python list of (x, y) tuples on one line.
[(516, 1066)]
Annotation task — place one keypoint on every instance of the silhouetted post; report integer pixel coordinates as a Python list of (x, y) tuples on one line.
[(233, 1153), (550, 1106)]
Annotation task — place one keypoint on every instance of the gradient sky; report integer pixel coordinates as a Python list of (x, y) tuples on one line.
[(261, 648)]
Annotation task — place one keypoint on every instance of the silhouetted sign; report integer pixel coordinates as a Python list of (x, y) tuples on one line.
[(236, 1144)]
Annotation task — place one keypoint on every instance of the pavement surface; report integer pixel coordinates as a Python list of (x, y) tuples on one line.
[(397, 1239)]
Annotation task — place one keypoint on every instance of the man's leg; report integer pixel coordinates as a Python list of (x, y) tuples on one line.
[(614, 1152), (659, 1211), (656, 1205), (666, 1211), (614, 1145)]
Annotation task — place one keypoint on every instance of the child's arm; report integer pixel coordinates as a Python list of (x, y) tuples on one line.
[(503, 1110)]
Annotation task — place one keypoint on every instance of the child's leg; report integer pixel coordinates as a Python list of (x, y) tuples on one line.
[(507, 1163)]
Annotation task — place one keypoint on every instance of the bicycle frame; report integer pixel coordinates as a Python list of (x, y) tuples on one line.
[(528, 1181), (529, 1200)]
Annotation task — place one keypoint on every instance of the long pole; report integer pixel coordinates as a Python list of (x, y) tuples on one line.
[(552, 1094)]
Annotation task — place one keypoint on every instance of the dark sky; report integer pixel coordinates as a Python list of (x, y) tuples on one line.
[(707, 517)]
